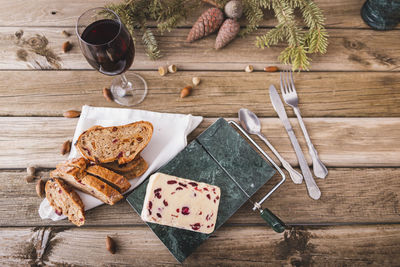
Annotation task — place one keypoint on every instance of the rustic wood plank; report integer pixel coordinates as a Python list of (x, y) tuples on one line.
[(50, 93), (339, 14), (246, 246), (349, 195), (341, 142), (349, 50)]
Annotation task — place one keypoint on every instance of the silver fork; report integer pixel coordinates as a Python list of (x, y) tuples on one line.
[(290, 96)]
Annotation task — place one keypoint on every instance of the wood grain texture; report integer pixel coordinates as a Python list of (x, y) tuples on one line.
[(341, 142), (49, 93), (349, 195), (339, 14), (349, 50), (325, 246)]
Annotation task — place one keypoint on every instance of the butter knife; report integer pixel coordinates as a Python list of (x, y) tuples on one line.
[(313, 190)]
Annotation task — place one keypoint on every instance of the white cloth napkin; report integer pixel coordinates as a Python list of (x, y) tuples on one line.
[(169, 138)]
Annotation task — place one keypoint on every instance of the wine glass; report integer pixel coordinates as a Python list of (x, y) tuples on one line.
[(108, 47)]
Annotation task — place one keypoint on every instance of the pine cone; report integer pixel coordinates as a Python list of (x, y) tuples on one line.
[(234, 9), (206, 24), (228, 31)]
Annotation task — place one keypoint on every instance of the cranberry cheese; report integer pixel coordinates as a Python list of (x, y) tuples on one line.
[(181, 203)]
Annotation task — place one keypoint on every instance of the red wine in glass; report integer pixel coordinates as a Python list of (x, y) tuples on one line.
[(108, 47)]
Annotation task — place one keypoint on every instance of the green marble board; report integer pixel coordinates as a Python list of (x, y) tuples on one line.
[(232, 152)]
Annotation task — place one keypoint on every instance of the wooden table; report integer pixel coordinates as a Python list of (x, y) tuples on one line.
[(351, 104)]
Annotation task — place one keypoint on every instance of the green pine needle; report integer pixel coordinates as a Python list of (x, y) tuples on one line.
[(301, 43)]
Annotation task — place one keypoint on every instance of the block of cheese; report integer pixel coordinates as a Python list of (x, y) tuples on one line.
[(181, 203)]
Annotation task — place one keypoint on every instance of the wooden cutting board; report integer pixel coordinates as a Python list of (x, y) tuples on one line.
[(238, 158)]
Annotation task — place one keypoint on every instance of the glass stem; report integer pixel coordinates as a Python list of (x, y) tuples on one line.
[(126, 86)]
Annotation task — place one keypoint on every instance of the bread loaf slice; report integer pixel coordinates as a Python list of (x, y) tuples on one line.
[(87, 183), (65, 201), (126, 167), (80, 163), (137, 171), (111, 177), (101, 190), (121, 143)]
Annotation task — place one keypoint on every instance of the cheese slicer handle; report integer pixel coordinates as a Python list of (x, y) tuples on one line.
[(276, 224)]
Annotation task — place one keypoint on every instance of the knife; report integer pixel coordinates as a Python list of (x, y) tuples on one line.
[(313, 190)]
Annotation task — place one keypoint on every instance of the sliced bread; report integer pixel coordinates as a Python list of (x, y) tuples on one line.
[(137, 171), (87, 183), (121, 143), (109, 176), (65, 201), (101, 190), (80, 163), (126, 167)]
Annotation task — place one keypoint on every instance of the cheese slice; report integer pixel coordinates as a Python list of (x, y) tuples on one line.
[(181, 203)]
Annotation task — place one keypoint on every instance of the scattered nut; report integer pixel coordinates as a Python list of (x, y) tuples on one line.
[(31, 170), (110, 245), (29, 178), (71, 114), (107, 94), (40, 188), (249, 68), (162, 70), (66, 147), (172, 68), (65, 33), (196, 80), (271, 69), (67, 46), (186, 91)]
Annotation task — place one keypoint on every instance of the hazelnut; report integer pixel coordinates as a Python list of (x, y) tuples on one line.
[(196, 81), (162, 70), (249, 68), (172, 69)]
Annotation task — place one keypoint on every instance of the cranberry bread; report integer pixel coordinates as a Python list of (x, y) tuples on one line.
[(80, 163), (137, 171), (101, 190), (122, 168), (65, 201), (87, 183), (122, 143), (111, 177)]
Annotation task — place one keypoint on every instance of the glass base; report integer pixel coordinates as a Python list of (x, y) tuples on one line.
[(130, 91)]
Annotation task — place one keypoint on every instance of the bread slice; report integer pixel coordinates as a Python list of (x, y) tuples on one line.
[(87, 183), (122, 143), (80, 163), (65, 201), (111, 177), (126, 167), (137, 171), (101, 190)]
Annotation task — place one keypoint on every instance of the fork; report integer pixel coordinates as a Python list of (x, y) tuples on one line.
[(290, 96)]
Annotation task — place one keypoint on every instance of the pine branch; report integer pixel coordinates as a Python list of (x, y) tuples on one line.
[(150, 43)]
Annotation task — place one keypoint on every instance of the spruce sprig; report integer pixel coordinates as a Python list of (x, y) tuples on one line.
[(300, 42), (169, 13)]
